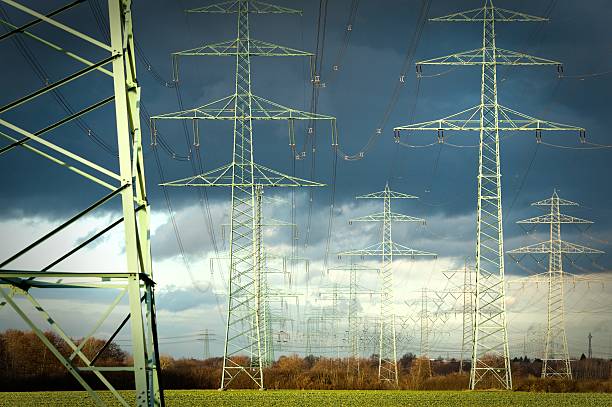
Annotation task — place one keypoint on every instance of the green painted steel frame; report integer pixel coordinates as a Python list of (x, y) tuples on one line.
[(245, 330), (128, 184), (387, 249)]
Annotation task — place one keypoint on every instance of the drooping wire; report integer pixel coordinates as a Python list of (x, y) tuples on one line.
[(318, 66), (100, 18), (151, 69), (197, 167), (175, 228), (522, 184), (337, 62), (408, 62), (586, 75), (61, 100), (593, 146), (332, 205), (102, 23), (197, 164), (531, 39)]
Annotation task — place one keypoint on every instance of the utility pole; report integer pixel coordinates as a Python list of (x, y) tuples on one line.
[(490, 355), (243, 175), (122, 177), (590, 347), (556, 354), (386, 250)]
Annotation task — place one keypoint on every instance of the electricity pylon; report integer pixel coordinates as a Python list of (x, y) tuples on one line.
[(465, 291), (353, 307), (490, 356), (556, 355), (125, 179), (430, 315), (425, 331), (242, 175), (206, 338), (386, 250)]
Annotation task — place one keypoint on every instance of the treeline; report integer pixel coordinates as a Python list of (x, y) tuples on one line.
[(27, 365)]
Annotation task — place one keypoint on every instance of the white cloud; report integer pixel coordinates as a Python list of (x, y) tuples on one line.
[(190, 303)]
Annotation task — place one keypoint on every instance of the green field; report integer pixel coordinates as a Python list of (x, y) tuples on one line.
[(313, 398)]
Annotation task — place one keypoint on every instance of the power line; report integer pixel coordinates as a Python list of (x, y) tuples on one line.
[(59, 97)]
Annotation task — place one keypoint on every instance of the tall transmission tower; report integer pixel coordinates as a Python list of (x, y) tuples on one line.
[(556, 354), (386, 250), (490, 356), (124, 180), (590, 352), (243, 175)]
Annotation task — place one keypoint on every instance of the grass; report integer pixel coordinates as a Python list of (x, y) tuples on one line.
[(322, 398)]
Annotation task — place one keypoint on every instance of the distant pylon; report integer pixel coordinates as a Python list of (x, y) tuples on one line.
[(556, 354), (490, 354), (425, 363), (590, 347), (464, 291), (387, 249), (354, 319)]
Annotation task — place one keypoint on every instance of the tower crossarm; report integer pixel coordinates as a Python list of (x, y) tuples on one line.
[(255, 7), (222, 177), (502, 57), (545, 248), (386, 194), (544, 278), (230, 48), (380, 217), (548, 218), (224, 109), (396, 250), (469, 120), (556, 201), (479, 15)]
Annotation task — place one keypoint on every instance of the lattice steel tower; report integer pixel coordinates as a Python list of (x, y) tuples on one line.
[(243, 175), (121, 178), (556, 355), (354, 319), (490, 356), (387, 249)]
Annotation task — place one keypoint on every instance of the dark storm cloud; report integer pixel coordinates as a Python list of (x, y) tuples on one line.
[(444, 177)]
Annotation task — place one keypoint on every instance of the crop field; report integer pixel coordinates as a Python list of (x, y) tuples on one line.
[(285, 398)]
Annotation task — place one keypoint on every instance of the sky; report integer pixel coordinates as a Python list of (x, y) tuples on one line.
[(37, 195)]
